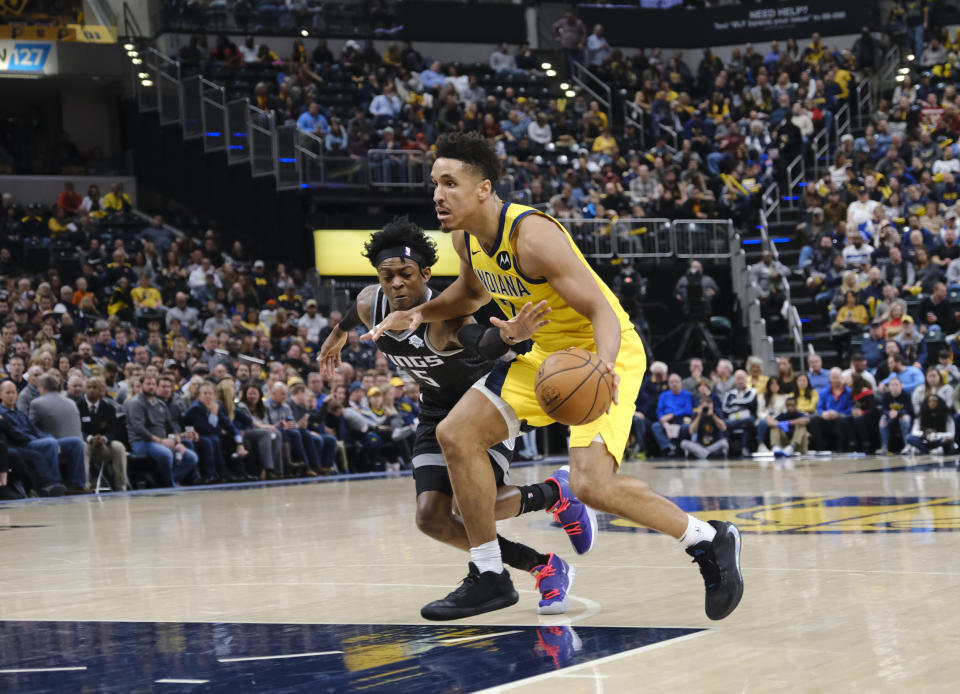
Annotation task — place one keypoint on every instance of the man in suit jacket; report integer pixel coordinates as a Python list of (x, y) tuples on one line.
[(102, 436)]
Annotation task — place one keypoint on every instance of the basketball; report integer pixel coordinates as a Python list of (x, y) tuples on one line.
[(572, 387)]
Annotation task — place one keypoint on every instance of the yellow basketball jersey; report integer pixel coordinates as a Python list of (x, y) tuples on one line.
[(511, 289)]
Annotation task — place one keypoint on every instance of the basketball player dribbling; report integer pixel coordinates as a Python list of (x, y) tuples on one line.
[(517, 255), (446, 358)]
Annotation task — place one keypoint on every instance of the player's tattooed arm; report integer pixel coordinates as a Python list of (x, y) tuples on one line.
[(358, 314)]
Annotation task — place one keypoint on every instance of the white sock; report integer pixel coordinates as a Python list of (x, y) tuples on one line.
[(697, 531), (487, 557)]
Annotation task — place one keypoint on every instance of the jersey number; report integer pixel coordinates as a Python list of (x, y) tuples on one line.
[(421, 375)]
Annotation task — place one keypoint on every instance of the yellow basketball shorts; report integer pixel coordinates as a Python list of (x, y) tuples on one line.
[(510, 387)]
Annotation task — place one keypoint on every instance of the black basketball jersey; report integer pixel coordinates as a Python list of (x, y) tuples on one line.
[(444, 376)]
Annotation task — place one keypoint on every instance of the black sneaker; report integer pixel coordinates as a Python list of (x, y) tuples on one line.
[(719, 562), (478, 593)]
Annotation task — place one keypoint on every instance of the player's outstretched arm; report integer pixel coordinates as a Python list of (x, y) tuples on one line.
[(359, 314), (461, 298), (543, 251), (496, 341)]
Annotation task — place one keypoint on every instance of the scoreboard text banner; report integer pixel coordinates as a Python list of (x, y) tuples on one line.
[(339, 253)]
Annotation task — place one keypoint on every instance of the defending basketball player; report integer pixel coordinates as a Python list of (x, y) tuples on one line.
[(446, 358), (516, 255)]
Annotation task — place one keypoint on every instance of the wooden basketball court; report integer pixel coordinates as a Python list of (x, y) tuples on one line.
[(850, 566)]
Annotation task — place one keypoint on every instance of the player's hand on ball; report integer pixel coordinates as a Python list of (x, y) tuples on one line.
[(616, 384), (525, 324), (395, 320)]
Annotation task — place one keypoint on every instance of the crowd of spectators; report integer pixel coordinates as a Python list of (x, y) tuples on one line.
[(897, 407), (558, 151), (134, 355)]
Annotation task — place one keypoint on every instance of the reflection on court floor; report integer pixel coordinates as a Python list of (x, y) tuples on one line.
[(170, 657)]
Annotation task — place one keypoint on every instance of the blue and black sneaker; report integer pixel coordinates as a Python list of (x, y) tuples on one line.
[(719, 562), (478, 593)]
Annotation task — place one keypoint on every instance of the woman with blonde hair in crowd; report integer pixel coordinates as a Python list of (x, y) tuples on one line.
[(756, 379), (893, 326)]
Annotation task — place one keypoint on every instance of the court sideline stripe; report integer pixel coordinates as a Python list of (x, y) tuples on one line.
[(14, 671), (591, 663), (481, 637), (171, 680), (277, 657)]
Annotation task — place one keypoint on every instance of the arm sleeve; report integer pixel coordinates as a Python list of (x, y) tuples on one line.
[(350, 320), (483, 340)]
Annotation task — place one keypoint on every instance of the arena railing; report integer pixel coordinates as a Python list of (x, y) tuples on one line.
[(213, 103), (391, 168), (863, 96), (286, 163), (752, 319), (191, 107), (701, 238), (672, 139), (650, 238), (642, 238), (788, 310), (238, 132), (841, 123), (145, 81), (796, 171), (886, 76), (633, 115), (596, 238), (168, 89), (820, 150), (262, 149), (592, 84), (310, 154), (770, 201)]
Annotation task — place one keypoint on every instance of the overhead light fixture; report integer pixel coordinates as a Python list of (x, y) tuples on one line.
[(304, 33), (564, 85), (143, 75), (904, 70), (545, 66), (132, 54), (147, 83), (911, 57), (128, 46), (551, 73), (136, 61), (899, 78), (570, 93)]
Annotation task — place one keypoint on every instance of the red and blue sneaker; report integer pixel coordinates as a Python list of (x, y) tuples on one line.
[(579, 521), (554, 581), (559, 644)]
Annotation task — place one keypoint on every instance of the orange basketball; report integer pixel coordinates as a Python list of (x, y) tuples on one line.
[(572, 387)]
